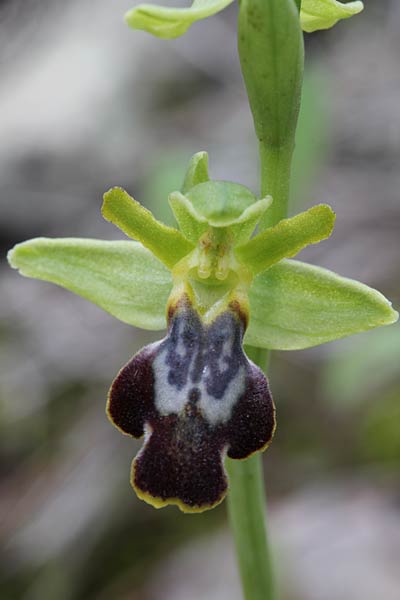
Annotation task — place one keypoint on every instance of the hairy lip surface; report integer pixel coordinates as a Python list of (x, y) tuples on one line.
[(197, 397)]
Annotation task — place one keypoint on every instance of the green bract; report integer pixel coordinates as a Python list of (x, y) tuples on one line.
[(273, 82), (292, 305), (273, 79), (166, 22)]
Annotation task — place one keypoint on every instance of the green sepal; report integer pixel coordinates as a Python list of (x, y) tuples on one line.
[(287, 238), (197, 171), (123, 277), (166, 243), (323, 14), (219, 204), (294, 305), (170, 23)]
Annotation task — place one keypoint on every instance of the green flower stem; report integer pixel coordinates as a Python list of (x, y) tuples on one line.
[(246, 498), (246, 510), (271, 55), (275, 177)]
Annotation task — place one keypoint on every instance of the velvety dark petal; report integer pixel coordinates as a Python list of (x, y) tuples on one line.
[(181, 463), (252, 424), (130, 399)]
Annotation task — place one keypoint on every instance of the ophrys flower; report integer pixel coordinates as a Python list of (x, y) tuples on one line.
[(194, 395)]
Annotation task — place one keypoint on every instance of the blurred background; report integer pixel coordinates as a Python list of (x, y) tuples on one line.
[(87, 104)]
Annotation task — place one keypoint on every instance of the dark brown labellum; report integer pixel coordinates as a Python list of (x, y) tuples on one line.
[(196, 397)]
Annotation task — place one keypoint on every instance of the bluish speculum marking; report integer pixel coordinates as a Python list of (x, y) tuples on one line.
[(205, 357), (196, 397)]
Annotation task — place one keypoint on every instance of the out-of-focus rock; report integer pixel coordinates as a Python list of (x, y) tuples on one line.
[(340, 540)]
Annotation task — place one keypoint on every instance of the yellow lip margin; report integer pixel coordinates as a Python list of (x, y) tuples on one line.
[(157, 502)]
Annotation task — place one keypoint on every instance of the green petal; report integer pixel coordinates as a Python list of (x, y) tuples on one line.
[(123, 278), (166, 243), (322, 14), (287, 238), (197, 171), (172, 22), (294, 305)]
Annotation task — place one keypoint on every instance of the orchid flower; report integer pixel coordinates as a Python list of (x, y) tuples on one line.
[(194, 395)]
